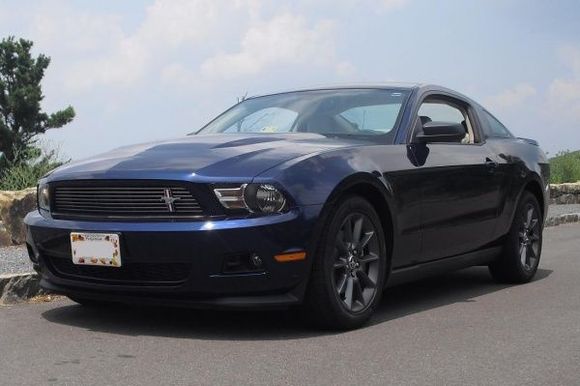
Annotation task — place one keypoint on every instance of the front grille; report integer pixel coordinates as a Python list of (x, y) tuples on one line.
[(131, 273), (113, 201)]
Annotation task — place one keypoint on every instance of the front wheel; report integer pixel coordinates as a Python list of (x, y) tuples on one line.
[(523, 244), (349, 269)]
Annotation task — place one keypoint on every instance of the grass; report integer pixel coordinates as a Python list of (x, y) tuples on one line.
[(565, 167), (24, 176)]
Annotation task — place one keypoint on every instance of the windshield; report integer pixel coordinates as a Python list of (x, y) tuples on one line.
[(366, 112)]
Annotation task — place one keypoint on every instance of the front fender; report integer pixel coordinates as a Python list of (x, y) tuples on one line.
[(312, 180), (388, 170)]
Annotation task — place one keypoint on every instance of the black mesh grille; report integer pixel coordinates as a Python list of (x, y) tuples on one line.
[(130, 273), (118, 201)]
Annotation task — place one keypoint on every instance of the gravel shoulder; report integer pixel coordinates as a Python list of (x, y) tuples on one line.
[(14, 260), (557, 210)]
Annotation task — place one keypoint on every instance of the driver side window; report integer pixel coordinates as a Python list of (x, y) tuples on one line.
[(435, 110)]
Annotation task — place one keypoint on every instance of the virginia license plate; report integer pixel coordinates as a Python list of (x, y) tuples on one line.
[(101, 249)]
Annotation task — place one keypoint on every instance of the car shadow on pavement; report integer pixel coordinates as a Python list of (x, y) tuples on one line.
[(455, 287), (398, 302)]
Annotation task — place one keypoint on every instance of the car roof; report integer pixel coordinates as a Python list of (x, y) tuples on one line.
[(330, 87), (423, 87)]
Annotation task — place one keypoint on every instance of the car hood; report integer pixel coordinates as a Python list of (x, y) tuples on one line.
[(229, 156)]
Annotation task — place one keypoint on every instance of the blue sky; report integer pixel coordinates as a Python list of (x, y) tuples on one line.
[(138, 71)]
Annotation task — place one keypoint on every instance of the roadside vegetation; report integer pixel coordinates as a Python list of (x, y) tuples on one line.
[(22, 160), (26, 174), (565, 167)]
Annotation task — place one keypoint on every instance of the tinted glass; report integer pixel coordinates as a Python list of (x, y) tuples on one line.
[(439, 111), (494, 128), (356, 112)]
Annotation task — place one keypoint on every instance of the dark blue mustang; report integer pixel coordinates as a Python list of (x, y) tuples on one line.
[(319, 198)]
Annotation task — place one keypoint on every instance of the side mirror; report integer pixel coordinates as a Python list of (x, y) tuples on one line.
[(441, 132)]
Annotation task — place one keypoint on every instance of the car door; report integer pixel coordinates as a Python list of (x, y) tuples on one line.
[(460, 192)]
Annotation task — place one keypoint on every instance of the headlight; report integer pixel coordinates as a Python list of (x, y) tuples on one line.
[(257, 198), (264, 198), (43, 197)]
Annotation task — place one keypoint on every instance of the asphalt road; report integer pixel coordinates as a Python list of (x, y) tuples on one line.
[(456, 329)]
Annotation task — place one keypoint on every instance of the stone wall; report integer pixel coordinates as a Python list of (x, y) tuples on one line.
[(565, 193), (13, 208)]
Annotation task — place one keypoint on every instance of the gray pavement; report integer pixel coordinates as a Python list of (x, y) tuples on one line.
[(457, 329)]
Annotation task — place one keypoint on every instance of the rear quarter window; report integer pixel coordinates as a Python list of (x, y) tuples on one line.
[(492, 128)]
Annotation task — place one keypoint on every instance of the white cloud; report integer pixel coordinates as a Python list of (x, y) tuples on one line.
[(64, 29), (69, 36), (177, 73), (349, 5), (564, 92), (112, 63), (345, 69), (177, 39), (125, 66), (102, 49), (285, 39), (168, 25), (512, 97), (393, 4), (570, 56)]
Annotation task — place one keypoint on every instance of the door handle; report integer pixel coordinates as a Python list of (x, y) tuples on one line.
[(491, 164)]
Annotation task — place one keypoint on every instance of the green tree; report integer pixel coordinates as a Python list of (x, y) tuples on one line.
[(565, 167), (21, 116)]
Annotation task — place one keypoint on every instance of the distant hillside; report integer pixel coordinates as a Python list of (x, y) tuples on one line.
[(565, 167)]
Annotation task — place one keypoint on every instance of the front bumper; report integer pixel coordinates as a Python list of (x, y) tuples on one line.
[(181, 263)]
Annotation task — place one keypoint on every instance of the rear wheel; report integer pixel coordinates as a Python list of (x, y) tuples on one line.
[(349, 268), (523, 244)]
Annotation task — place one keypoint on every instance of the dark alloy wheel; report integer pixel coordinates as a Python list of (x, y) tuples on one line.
[(529, 238), (348, 272), (523, 244), (356, 262)]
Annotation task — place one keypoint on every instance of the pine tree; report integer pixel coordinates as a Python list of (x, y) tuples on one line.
[(21, 116)]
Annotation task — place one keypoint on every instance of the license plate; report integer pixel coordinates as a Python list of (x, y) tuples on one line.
[(101, 249)]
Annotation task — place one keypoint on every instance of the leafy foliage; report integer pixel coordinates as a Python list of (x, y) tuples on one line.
[(21, 116), (565, 167), (27, 174)]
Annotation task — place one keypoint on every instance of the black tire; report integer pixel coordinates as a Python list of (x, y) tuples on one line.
[(347, 276), (93, 303), (523, 244)]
